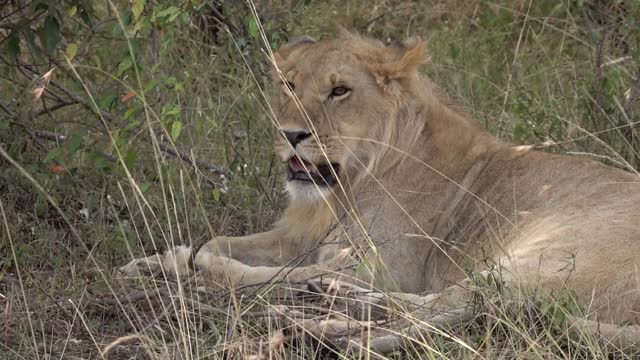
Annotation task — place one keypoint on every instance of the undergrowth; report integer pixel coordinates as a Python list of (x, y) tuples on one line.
[(128, 127)]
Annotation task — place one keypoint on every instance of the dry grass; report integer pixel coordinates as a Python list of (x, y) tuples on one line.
[(564, 74)]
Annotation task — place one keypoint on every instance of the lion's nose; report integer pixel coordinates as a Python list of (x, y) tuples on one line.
[(294, 137)]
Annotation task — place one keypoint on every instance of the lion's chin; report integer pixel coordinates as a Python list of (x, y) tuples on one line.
[(307, 192)]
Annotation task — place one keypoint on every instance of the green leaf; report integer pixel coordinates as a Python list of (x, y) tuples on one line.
[(85, 15), (117, 30), (13, 45), (174, 15), (108, 102), (128, 113), (124, 65), (118, 142), (171, 80), (216, 195), (96, 60), (74, 143), (133, 124), (519, 133), (54, 154), (4, 124), (72, 11), (171, 12), (184, 19), (169, 110), (30, 39), (130, 159), (151, 84), (558, 318), (138, 8), (127, 18), (51, 34), (144, 187), (72, 50), (176, 129), (99, 161), (142, 25), (253, 27)]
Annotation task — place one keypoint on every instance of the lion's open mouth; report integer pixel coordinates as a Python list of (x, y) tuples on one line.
[(302, 170)]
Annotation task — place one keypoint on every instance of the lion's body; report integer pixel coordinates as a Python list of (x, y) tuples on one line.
[(429, 194)]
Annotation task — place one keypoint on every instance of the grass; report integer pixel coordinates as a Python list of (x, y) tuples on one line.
[(560, 73)]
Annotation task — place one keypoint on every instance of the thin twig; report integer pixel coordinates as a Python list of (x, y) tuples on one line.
[(196, 163)]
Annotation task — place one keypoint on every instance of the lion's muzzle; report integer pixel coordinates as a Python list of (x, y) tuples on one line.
[(322, 175)]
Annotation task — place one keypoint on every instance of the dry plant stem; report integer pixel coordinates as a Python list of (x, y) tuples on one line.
[(623, 337), (59, 138), (223, 20), (128, 339), (389, 343), (192, 161), (342, 332)]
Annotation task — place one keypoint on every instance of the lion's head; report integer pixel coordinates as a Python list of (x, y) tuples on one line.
[(340, 105)]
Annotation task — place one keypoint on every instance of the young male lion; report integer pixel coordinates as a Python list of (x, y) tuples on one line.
[(378, 163)]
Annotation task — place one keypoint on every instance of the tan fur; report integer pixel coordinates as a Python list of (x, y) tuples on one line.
[(425, 195)]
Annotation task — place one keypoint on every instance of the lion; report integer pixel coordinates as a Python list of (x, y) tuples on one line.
[(392, 187)]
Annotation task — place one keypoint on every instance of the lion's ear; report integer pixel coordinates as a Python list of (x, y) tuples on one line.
[(285, 50), (401, 60), (280, 56)]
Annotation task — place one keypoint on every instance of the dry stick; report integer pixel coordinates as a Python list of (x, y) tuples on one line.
[(135, 297), (32, 134), (58, 138), (389, 12), (49, 109)]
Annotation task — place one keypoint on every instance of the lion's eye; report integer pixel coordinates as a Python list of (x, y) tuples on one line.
[(339, 91)]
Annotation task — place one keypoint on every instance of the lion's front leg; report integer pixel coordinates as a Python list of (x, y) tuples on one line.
[(219, 269), (274, 247), (252, 258)]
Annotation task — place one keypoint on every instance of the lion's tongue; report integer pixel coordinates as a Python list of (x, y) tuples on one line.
[(297, 166)]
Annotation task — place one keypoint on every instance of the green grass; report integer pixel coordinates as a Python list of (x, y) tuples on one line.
[(541, 72)]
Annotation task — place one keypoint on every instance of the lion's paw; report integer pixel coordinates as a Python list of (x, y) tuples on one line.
[(142, 267), (174, 262)]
